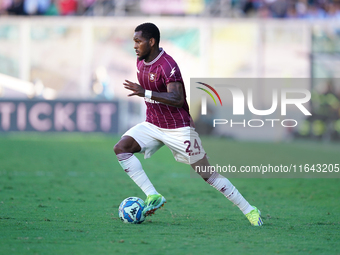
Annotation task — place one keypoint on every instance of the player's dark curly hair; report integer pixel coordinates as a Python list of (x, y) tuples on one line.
[(149, 30)]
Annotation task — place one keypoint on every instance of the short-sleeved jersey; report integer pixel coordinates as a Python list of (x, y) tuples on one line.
[(155, 76)]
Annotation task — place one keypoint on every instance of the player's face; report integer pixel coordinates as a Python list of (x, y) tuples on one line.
[(142, 46)]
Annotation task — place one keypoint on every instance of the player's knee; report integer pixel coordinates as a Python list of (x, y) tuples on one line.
[(118, 148), (124, 147), (205, 176), (205, 179)]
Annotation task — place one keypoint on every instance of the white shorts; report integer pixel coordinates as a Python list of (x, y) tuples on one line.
[(183, 142)]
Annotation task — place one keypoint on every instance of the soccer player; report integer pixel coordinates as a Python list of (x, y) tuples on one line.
[(168, 122)]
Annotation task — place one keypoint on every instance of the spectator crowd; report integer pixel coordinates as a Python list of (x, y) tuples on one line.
[(298, 9), (301, 9), (44, 7)]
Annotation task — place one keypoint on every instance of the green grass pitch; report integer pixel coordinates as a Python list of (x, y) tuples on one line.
[(59, 194)]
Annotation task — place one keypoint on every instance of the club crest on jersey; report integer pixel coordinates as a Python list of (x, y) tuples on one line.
[(152, 76)]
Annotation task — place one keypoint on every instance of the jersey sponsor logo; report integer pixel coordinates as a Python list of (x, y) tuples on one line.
[(152, 76), (151, 101)]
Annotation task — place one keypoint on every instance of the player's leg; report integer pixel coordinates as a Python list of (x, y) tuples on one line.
[(124, 150), (138, 139), (186, 147), (126, 144), (223, 185)]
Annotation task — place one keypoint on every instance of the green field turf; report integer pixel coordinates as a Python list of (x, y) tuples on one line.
[(59, 194)]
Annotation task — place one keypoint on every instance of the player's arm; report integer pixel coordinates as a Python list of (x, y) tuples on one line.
[(173, 97)]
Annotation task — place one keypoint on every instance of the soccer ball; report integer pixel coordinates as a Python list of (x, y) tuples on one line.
[(130, 210)]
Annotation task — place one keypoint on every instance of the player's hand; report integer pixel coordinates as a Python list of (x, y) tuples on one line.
[(137, 89)]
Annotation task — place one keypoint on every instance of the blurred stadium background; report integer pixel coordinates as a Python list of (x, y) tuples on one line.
[(63, 62)]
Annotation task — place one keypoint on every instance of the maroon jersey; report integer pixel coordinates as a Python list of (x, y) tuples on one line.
[(155, 76)]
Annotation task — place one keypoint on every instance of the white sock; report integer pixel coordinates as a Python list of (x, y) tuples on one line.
[(134, 169), (223, 185)]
